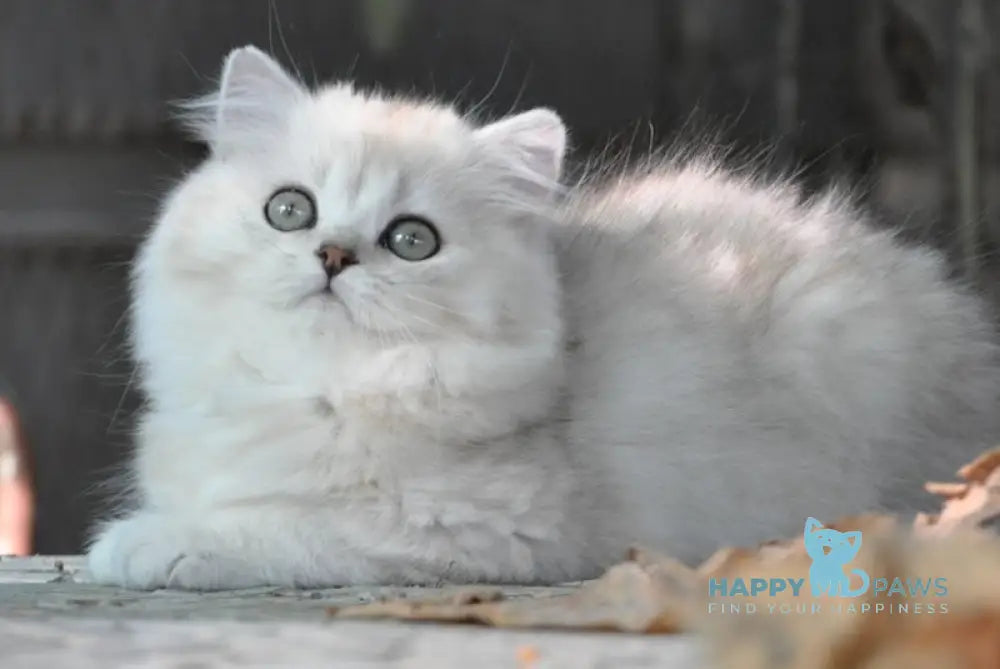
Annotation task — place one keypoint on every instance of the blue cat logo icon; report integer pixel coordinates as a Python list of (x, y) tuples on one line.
[(830, 551)]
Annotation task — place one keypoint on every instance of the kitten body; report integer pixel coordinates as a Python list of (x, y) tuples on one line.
[(681, 358)]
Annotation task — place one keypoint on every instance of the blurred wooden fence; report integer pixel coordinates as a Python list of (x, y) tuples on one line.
[(898, 95)]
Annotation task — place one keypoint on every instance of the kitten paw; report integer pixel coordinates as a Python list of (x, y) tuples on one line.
[(132, 552), (210, 571), (146, 552)]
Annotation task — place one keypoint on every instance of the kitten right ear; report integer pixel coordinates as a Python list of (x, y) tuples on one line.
[(533, 144), (812, 525), (254, 97)]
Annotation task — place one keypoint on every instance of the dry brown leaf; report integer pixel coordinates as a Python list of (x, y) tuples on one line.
[(950, 545), (972, 504), (971, 642), (966, 636), (798, 628), (946, 490), (979, 469), (647, 593), (963, 636)]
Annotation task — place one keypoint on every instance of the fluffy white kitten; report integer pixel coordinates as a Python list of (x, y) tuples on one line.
[(381, 345)]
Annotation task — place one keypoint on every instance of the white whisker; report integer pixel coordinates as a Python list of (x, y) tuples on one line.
[(429, 303)]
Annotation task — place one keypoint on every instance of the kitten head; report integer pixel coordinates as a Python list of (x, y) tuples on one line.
[(828, 545), (361, 216)]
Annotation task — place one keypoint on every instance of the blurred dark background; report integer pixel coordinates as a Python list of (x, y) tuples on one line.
[(896, 97)]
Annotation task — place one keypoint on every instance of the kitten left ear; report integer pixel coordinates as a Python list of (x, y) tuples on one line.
[(534, 140), (250, 75), (254, 96)]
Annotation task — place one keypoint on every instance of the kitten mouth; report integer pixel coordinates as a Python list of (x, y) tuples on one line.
[(323, 290), (827, 550)]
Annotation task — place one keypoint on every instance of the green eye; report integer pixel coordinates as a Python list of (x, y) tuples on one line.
[(290, 209), (411, 238)]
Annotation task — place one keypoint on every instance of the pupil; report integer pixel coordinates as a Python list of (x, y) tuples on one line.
[(408, 238)]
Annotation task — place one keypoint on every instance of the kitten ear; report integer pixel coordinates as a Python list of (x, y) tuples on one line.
[(812, 525), (856, 535), (253, 82), (534, 142), (254, 97)]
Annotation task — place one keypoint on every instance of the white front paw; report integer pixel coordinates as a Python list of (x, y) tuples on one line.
[(133, 552), (212, 571), (146, 552)]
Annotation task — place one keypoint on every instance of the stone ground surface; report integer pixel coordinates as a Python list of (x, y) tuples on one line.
[(52, 617)]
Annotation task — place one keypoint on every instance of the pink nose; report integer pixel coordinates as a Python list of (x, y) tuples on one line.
[(335, 259)]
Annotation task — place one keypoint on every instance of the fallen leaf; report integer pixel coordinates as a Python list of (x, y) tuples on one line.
[(972, 504), (853, 633), (647, 593), (982, 467), (947, 490)]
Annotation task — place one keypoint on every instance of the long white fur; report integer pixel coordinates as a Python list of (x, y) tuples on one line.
[(680, 358)]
